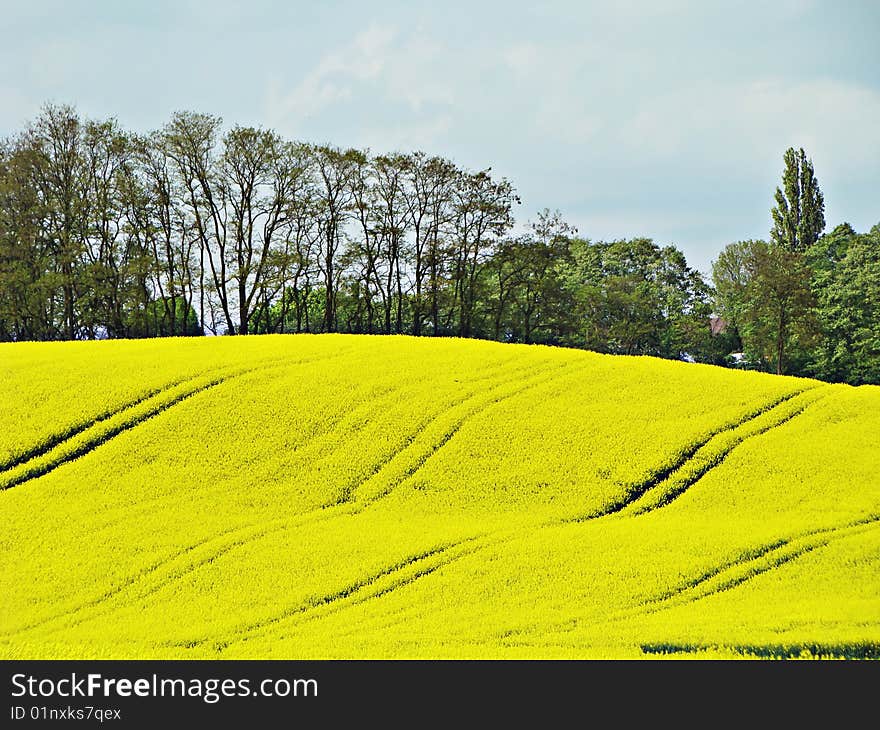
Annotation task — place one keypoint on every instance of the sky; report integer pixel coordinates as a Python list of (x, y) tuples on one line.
[(660, 119)]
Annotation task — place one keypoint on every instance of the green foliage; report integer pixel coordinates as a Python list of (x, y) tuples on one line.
[(799, 213), (166, 318), (530, 300), (846, 281), (812, 314), (634, 297), (763, 290)]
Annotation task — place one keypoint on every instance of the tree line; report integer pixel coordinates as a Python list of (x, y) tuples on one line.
[(191, 229)]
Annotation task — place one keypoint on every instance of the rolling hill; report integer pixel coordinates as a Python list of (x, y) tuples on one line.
[(343, 496)]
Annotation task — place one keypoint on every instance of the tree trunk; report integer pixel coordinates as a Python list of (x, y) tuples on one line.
[(780, 341), (242, 309)]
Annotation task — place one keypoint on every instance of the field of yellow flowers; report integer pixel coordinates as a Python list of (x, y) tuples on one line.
[(368, 497)]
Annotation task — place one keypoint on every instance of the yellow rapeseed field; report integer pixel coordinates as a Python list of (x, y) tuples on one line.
[(389, 497)]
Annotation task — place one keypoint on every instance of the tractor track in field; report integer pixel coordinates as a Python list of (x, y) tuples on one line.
[(677, 478), (353, 594), (323, 512), (311, 442), (358, 417), (81, 612), (755, 562), (40, 460), (692, 465), (730, 574), (433, 448), (48, 462), (349, 491), (357, 593), (53, 440), (680, 486), (355, 413), (118, 589)]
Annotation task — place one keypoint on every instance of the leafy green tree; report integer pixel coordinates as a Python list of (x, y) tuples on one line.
[(531, 302), (483, 214), (846, 280), (189, 140), (799, 213), (764, 291), (634, 297), (29, 284), (58, 169), (105, 274), (336, 170), (154, 320), (428, 194)]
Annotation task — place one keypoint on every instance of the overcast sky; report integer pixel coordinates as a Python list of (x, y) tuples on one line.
[(659, 119)]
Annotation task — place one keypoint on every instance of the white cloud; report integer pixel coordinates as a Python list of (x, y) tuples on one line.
[(377, 62), (331, 80), (420, 73), (835, 121)]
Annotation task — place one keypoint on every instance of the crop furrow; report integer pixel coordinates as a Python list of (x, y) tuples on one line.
[(82, 612), (675, 487), (103, 602), (318, 514), (756, 562), (89, 443), (118, 589), (746, 566), (102, 430), (330, 599), (434, 447), (661, 475), (672, 475), (359, 593), (348, 492), (57, 439), (356, 599)]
